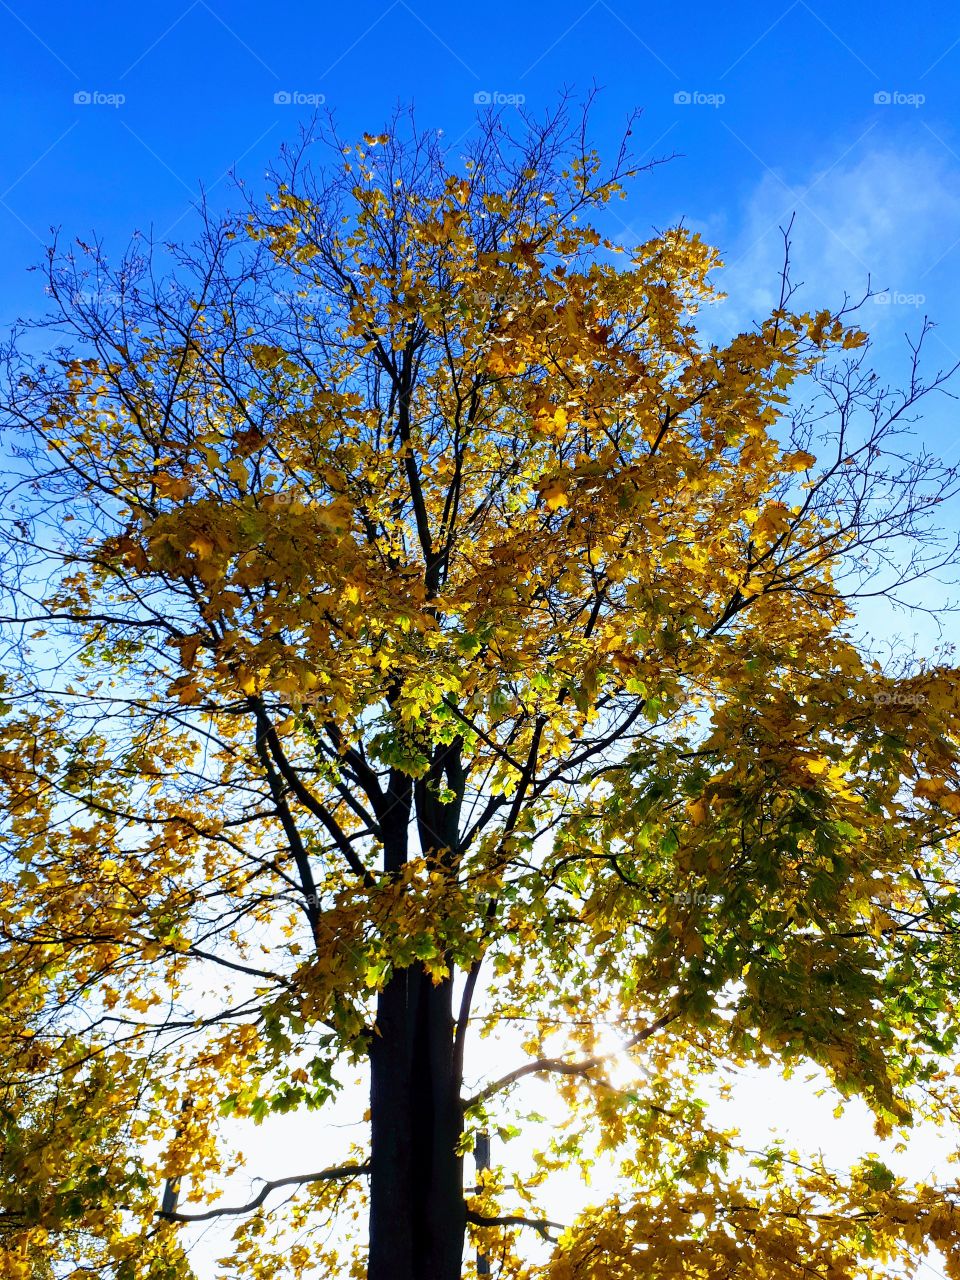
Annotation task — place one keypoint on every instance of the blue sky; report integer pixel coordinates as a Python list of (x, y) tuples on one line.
[(113, 115), (782, 116)]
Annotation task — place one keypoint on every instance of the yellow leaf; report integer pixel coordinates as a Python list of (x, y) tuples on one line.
[(554, 495), (854, 338), (188, 692), (799, 461), (188, 650), (697, 811), (172, 486), (202, 547)]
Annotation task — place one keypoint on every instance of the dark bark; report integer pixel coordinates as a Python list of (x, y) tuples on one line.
[(417, 1210)]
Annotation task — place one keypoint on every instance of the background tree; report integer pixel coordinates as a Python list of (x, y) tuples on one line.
[(418, 630)]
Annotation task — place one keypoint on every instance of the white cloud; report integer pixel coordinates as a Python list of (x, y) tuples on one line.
[(890, 214)]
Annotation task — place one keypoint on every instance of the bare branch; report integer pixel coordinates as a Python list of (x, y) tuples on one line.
[(325, 1175)]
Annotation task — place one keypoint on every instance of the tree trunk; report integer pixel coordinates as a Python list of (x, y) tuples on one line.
[(417, 1210)]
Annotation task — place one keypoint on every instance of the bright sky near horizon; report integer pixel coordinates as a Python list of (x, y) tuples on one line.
[(846, 116)]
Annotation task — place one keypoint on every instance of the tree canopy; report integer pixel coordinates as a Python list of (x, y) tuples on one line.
[(417, 627)]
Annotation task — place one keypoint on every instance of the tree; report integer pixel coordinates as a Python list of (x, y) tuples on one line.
[(418, 630)]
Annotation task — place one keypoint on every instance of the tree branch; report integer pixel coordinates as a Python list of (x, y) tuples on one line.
[(268, 734), (325, 1175), (560, 1066), (542, 1225)]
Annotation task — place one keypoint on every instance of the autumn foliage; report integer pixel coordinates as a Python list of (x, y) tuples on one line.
[(420, 631)]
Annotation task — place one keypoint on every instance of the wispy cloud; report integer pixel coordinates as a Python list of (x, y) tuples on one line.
[(889, 215)]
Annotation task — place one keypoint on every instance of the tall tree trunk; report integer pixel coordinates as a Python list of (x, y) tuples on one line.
[(417, 1210)]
